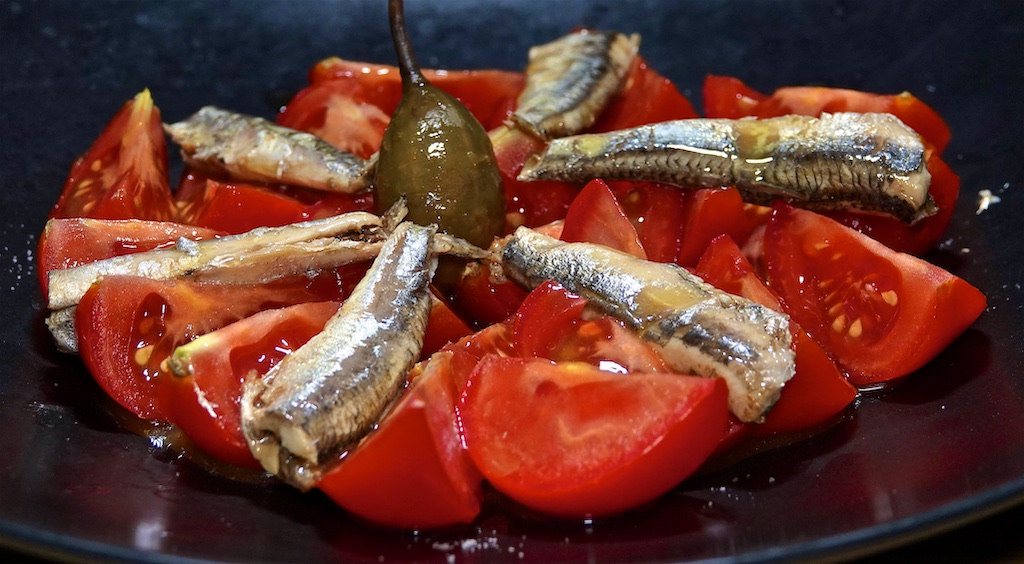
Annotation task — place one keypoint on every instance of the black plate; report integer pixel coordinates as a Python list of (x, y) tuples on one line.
[(945, 447)]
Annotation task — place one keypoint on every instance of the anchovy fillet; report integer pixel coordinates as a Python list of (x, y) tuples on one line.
[(869, 162), (257, 256), (570, 80), (250, 148), (698, 328), (303, 415)]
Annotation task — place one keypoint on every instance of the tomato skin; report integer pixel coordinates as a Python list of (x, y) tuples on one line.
[(443, 328), (657, 212), (730, 98), (205, 401), (574, 441), (710, 213), (74, 241), (647, 97), (482, 301), (123, 175), (595, 216), (412, 471), (817, 391), (128, 326), (237, 208), (879, 313), (341, 112)]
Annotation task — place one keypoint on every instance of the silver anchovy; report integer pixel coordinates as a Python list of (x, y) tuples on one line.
[(869, 162), (303, 415), (260, 255), (250, 148), (570, 80), (698, 328)]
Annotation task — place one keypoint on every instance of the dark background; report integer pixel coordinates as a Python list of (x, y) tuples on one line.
[(944, 448)]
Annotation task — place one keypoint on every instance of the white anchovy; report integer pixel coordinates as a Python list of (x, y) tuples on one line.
[(869, 162), (260, 255), (250, 148), (697, 328), (570, 81), (303, 415)]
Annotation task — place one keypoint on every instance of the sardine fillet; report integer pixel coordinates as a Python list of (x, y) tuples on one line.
[(570, 81), (698, 328), (257, 256), (303, 415), (868, 162), (253, 149)]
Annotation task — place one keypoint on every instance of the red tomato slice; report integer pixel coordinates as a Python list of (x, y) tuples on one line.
[(657, 213), (74, 241), (124, 174), (443, 327), (202, 394), (710, 213), (237, 208), (412, 471), (596, 217), (128, 326), (818, 391), (729, 97), (482, 301), (647, 97), (527, 203), (880, 314), (342, 112), (571, 440)]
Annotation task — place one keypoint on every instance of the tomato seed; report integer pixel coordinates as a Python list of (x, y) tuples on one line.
[(856, 329), (96, 165), (839, 323), (891, 297), (142, 355)]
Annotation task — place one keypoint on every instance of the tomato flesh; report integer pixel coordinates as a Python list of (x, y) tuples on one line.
[(596, 217), (127, 327), (881, 314), (202, 395), (818, 391), (124, 174), (412, 471), (571, 440)]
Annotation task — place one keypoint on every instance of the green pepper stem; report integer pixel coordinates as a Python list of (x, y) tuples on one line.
[(407, 66)]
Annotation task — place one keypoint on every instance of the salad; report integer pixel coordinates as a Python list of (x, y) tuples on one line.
[(540, 388)]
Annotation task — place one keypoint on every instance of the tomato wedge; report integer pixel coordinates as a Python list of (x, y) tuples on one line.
[(571, 440), (74, 241), (730, 98), (203, 391), (412, 471), (880, 314), (818, 391), (710, 213), (596, 217), (124, 174), (236, 208), (128, 326)]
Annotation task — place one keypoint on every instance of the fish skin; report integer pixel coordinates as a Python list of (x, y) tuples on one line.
[(697, 328), (250, 148), (572, 79), (302, 416), (260, 255), (868, 162)]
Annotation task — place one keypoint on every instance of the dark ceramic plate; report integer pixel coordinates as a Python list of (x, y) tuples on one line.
[(945, 447)]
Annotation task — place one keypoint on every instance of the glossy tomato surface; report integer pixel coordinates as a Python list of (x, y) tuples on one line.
[(941, 448)]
